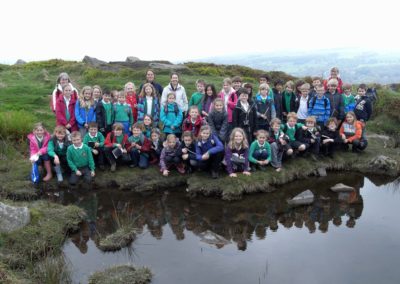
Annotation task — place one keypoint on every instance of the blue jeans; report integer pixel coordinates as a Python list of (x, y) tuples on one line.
[(139, 159)]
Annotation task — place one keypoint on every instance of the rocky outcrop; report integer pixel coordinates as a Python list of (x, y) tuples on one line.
[(13, 218), (132, 59), (20, 62), (168, 66), (383, 162), (93, 61)]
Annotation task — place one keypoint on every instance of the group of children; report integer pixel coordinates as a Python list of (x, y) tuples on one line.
[(232, 128)]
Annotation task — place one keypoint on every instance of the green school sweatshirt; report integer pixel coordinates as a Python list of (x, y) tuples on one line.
[(80, 157)]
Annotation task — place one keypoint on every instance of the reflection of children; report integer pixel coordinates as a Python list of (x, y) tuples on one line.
[(95, 140), (237, 153), (116, 139), (260, 150), (187, 151), (57, 151), (351, 132), (38, 141), (170, 157)]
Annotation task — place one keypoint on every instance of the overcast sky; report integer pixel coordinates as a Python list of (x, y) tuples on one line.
[(178, 30)]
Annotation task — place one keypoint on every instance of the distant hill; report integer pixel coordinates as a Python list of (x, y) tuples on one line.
[(355, 65)]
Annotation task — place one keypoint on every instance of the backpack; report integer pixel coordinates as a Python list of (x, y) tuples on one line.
[(372, 95)]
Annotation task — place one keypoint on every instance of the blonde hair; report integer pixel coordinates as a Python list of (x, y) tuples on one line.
[(171, 137), (126, 86), (84, 103), (311, 119), (118, 126), (262, 131), (353, 115), (305, 86), (76, 134), (143, 93), (333, 82), (38, 125), (231, 143), (275, 121), (227, 81), (289, 84), (263, 86), (99, 88), (292, 115), (171, 95), (60, 129)]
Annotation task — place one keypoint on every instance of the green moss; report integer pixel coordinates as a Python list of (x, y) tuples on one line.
[(121, 274)]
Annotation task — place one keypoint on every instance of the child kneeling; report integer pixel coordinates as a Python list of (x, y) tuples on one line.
[(187, 151), (57, 151), (237, 153), (38, 141), (260, 150)]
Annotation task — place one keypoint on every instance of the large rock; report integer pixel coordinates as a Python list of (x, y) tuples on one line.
[(13, 218), (304, 198), (168, 66), (132, 59), (93, 61), (340, 187), (20, 62), (212, 238), (382, 162)]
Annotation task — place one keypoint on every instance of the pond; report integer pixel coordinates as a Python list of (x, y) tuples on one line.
[(339, 238)]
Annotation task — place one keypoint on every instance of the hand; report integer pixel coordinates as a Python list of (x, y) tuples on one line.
[(92, 173), (119, 146), (96, 144), (34, 158), (86, 125), (94, 151), (304, 127), (165, 173), (185, 156), (312, 140), (205, 156), (135, 105), (346, 140), (331, 140), (343, 136), (266, 162), (78, 173), (326, 141), (124, 151), (68, 126), (233, 175), (138, 146), (204, 113), (56, 160), (184, 150), (246, 173)]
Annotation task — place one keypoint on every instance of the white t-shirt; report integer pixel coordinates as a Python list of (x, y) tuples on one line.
[(149, 103), (302, 113)]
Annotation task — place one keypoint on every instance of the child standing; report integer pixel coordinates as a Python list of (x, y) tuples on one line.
[(131, 98), (265, 108), (229, 97), (38, 141), (277, 92), (193, 122), (179, 91), (65, 109), (288, 100), (123, 112), (116, 139), (105, 114), (209, 151), (335, 99), (245, 115), (95, 140), (57, 151), (260, 150), (218, 120), (320, 106), (208, 99), (303, 102), (316, 81), (294, 130), (170, 157), (348, 99), (187, 151), (80, 160), (197, 97), (149, 104), (85, 110), (237, 153), (236, 82), (334, 74), (97, 94), (351, 133), (330, 138), (139, 148), (279, 143), (62, 81), (363, 105), (171, 116)]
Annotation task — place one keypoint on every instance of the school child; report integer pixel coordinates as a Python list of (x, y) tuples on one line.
[(349, 101), (187, 151), (208, 99), (330, 138), (351, 133), (294, 131), (116, 139), (218, 120), (147, 126), (123, 112), (156, 146), (237, 153), (170, 157), (97, 94), (178, 90), (277, 93), (209, 151), (311, 137), (236, 82), (297, 89), (131, 99), (335, 99), (150, 78), (302, 103), (95, 140), (197, 97), (65, 109), (316, 81), (334, 74), (193, 122), (279, 143), (85, 110), (320, 106), (363, 105), (105, 114), (114, 96), (57, 151), (265, 108), (38, 141), (80, 160), (228, 95), (139, 148), (288, 100), (62, 81), (171, 116), (245, 115), (260, 151), (249, 88), (149, 104)]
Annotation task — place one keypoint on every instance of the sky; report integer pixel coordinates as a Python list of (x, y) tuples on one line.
[(178, 30)]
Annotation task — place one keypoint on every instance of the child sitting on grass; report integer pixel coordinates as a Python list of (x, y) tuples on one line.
[(170, 157), (95, 140), (57, 151), (260, 150), (116, 140), (80, 160), (330, 138), (38, 141), (237, 153), (311, 137), (187, 151), (156, 146), (139, 148), (193, 122), (294, 130)]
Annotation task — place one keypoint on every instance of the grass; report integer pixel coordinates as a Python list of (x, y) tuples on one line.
[(52, 270), (121, 274)]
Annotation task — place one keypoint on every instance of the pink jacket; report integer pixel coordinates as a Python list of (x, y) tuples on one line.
[(60, 113), (34, 146), (232, 101)]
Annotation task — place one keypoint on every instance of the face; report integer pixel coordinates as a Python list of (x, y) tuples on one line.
[(244, 97), (174, 79), (93, 131), (64, 81), (236, 85), (320, 92), (304, 92), (171, 143), (310, 124), (332, 126), (347, 91), (77, 141), (194, 113), (349, 118), (262, 81), (209, 92), (205, 134), (171, 99), (136, 132), (261, 138), (130, 89), (289, 89), (238, 138), (60, 136), (334, 73), (227, 87), (39, 131), (200, 88), (218, 106), (107, 98), (154, 136), (316, 83), (147, 121), (87, 95), (118, 132), (276, 127), (67, 92), (279, 87), (264, 92), (121, 99), (332, 88), (292, 122), (150, 76), (96, 94), (361, 92), (148, 91), (187, 140)]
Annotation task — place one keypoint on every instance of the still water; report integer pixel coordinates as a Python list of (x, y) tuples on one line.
[(340, 238)]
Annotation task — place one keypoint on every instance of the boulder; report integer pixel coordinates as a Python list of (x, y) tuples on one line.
[(340, 187), (13, 218), (132, 59), (93, 61), (382, 162), (304, 198), (212, 238), (20, 62), (164, 66), (321, 172)]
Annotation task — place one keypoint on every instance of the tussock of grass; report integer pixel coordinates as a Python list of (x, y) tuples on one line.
[(121, 274), (15, 125), (52, 270)]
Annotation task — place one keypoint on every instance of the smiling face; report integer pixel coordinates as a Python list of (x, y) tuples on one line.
[(96, 94), (121, 99), (276, 127), (187, 140), (171, 98), (304, 92), (67, 92), (350, 118), (194, 113), (148, 91), (332, 126), (292, 122), (171, 142), (136, 131), (219, 106), (227, 87), (238, 138), (147, 121), (39, 132), (64, 81), (77, 141), (174, 79), (264, 92), (154, 136), (150, 76), (129, 88), (60, 135), (107, 97), (87, 95), (93, 131), (261, 138), (361, 92), (332, 88), (205, 134), (200, 88), (310, 124), (289, 89), (117, 132), (243, 97)]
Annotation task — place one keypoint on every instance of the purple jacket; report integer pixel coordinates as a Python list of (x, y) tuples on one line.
[(243, 153)]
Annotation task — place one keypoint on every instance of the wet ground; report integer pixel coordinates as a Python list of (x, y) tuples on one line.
[(339, 238)]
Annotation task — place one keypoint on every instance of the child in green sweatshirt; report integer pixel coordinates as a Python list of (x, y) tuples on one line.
[(95, 140), (123, 112), (260, 150)]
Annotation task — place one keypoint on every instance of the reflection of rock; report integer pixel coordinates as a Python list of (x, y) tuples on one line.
[(304, 198), (383, 163), (340, 187), (93, 61), (13, 218), (212, 238)]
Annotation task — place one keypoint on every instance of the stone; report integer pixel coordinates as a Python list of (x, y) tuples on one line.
[(132, 59), (212, 238), (168, 66), (321, 172), (20, 62), (93, 61), (13, 218), (340, 187), (304, 198), (382, 162)]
